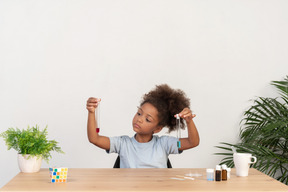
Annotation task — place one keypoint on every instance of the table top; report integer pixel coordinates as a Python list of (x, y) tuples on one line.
[(108, 179)]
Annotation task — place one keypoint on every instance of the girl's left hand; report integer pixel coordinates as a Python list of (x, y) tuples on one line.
[(186, 114)]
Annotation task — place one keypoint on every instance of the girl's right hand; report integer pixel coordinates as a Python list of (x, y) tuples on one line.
[(92, 104)]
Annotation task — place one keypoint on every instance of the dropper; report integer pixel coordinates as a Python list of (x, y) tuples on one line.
[(98, 117), (178, 131), (233, 149)]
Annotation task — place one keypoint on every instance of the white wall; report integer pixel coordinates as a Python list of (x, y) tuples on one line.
[(56, 54)]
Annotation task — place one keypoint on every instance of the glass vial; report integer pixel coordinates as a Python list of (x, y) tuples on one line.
[(228, 173), (224, 172), (210, 174), (218, 173)]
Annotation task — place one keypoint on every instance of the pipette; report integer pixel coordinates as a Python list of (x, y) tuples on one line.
[(233, 149), (98, 117), (178, 131)]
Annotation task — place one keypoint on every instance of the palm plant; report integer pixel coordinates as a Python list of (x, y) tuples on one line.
[(264, 133)]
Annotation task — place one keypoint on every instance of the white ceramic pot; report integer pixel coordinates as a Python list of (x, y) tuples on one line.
[(29, 165)]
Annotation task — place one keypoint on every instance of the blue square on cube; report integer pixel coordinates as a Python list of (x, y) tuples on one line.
[(53, 180), (54, 173)]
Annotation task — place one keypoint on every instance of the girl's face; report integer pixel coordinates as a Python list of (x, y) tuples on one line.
[(145, 121)]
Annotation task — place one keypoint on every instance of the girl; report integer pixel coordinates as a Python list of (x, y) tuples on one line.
[(157, 110)]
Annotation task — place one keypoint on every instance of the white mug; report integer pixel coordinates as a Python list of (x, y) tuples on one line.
[(242, 163)]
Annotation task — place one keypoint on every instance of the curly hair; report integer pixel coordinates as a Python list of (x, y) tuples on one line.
[(168, 102)]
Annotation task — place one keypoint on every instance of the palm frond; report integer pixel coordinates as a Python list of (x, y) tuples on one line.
[(282, 86)]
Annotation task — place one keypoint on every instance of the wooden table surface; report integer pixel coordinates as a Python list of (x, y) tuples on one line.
[(93, 179)]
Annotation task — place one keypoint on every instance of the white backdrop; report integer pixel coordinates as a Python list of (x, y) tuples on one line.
[(56, 54)]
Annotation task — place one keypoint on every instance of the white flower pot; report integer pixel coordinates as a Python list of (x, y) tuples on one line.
[(29, 165)]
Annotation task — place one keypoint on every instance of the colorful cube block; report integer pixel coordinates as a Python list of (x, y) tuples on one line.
[(58, 174)]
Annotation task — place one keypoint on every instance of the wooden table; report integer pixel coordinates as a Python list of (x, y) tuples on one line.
[(141, 180)]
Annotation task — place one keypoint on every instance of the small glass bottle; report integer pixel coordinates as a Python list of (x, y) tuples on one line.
[(218, 173), (228, 173), (224, 172), (210, 174)]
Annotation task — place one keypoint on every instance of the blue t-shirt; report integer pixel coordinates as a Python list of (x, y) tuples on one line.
[(153, 154)]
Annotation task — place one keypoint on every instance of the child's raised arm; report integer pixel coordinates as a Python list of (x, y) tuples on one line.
[(98, 140), (193, 136)]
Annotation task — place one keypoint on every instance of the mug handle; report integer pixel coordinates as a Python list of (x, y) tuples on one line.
[(254, 160)]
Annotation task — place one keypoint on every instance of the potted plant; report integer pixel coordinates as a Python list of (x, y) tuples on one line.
[(265, 134), (32, 146)]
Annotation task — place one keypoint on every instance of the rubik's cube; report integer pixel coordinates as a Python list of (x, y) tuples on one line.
[(58, 174)]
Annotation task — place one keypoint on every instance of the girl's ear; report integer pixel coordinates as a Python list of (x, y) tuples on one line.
[(158, 129)]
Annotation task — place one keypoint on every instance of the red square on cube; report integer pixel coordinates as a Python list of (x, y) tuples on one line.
[(97, 130)]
